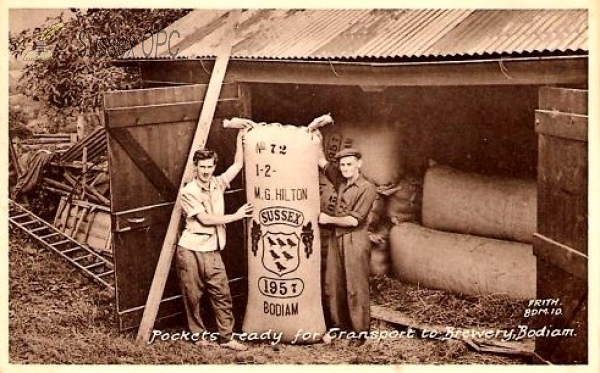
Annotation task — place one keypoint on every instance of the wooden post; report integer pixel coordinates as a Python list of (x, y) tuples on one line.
[(206, 116), (70, 178), (90, 220), (81, 127), (61, 205), (64, 217), (84, 212), (84, 172), (75, 213), (57, 184), (92, 192), (54, 190), (561, 241), (96, 195), (13, 157), (107, 247)]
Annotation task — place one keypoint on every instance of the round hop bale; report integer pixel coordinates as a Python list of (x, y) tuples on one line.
[(461, 263), (487, 206), (284, 247)]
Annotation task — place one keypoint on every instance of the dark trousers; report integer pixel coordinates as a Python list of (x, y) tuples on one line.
[(347, 283), (201, 272)]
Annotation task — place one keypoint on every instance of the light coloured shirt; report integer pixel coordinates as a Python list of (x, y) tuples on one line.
[(197, 199)]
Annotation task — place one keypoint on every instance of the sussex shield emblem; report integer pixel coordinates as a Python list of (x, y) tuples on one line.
[(281, 252)]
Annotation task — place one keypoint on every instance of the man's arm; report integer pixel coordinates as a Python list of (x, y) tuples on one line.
[(322, 159), (193, 206), (358, 213), (331, 171), (342, 221), (238, 161), (212, 219)]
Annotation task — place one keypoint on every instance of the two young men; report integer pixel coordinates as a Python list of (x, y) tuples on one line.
[(201, 268)]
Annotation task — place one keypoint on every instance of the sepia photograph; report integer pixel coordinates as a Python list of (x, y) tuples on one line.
[(307, 186)]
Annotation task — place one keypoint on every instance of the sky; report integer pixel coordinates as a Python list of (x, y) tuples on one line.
[(22, 19)]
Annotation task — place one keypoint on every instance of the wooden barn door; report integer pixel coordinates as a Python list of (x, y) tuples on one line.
[(150, 132), (561, 244)]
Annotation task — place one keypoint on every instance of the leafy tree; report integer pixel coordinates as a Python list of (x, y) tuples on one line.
[(81, 68)]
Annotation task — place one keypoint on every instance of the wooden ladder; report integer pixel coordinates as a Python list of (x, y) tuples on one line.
[(86, 260)]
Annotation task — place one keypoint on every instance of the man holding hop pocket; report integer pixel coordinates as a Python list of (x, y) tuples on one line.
[(198, 259), (349, 248)]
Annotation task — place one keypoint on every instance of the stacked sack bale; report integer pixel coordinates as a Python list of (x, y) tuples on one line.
[(395, 204), (475, 238), (404, 200)]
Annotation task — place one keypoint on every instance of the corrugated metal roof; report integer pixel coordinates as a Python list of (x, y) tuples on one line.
[(372, 34)]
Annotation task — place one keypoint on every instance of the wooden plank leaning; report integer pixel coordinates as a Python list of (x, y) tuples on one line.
[(206, 116), (61, 205)]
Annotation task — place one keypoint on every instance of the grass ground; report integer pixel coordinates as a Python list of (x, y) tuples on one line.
[(57, 316)]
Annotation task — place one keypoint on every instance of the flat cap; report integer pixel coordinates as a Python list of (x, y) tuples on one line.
[(348, 152)]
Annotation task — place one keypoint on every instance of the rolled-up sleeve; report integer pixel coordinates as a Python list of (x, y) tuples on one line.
[(192, 205), (363, 204)]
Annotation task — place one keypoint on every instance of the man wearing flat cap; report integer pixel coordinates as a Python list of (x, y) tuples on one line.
[(348, 255)]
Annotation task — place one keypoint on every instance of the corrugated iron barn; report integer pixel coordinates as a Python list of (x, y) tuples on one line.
[(472, 89)]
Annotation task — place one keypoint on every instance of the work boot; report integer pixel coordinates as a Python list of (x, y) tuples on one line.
[(234, 345), (205, 343), (363, 342), (358, 342), (327, 339)]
